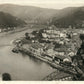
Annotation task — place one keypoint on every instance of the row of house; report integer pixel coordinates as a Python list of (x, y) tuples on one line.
[(52, 35), (36, 48), (6, 29), (55, 35), (47, 49)]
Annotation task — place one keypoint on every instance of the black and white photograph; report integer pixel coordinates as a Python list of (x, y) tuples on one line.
[(41, 40)]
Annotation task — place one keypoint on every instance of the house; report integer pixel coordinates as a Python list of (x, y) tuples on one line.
[(60, 57), (49, 49), (56, 32), (75, 34), (52, 31), (63, 58), (34, 40), (36, 48), (31, 35), (47, 35), (71, 54), (63, 35), (54, 35), (61, 42), (44, 35), (0, 30), (50, 52)]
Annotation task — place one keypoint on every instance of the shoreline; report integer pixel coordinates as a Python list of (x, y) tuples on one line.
[(11, 32), (19, 29), (52, 64), (62, 76), (67, 74)]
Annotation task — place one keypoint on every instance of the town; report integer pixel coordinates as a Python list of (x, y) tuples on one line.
[(55, 46), (41, 40)]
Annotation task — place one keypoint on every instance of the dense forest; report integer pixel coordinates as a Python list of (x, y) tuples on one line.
[(62, 18), (74, 19), (7, 20)]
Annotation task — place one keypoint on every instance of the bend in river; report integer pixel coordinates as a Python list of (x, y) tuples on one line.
[(21, 67)]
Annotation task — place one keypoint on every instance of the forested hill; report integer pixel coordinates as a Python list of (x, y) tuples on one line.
[(73, 16), (7, 20), (29, 13)]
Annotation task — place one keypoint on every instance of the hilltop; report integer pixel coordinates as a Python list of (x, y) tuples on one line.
[(62, 18), (70, 17), (29, 13)]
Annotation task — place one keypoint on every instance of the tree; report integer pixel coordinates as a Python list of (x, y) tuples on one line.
[(34, 32), (6, 77), (27, 35)]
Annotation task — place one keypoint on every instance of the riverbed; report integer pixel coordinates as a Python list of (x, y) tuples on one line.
[(21, 67)]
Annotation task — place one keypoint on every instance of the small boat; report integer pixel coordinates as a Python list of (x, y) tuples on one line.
[(15, 50)]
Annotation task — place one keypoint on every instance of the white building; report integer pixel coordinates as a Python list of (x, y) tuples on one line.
[(0, 30), (63, 35)]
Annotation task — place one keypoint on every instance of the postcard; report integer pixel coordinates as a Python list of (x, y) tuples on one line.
[(41, 40)]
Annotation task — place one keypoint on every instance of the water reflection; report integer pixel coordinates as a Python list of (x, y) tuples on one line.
[(35, 60)]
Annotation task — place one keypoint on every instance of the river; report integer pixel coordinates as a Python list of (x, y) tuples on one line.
[(21, 67)]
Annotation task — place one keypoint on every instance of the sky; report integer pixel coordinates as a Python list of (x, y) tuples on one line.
[(55, 4)]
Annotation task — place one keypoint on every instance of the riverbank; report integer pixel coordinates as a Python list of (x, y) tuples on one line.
[(19, 29), (13, 31), (58, 76), (67, 70), (21, 67), (41, 51)]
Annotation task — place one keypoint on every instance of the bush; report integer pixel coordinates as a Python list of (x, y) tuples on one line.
[(6, 77), (82, 36)]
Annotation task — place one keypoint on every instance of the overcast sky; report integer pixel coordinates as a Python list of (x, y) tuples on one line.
[(56, 4)]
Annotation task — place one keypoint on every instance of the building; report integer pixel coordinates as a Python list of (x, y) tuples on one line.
[(0, 30), (53, 34), (36, 48), (31, 35), (63, 35), (44, 35)]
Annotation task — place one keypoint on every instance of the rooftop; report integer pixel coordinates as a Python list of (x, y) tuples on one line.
[(36, 45)]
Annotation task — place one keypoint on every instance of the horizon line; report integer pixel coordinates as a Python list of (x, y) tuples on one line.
[(38, 6)]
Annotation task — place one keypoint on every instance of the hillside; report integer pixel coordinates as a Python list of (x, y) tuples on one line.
[(73, 16), (7, 20), (29, 13)]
